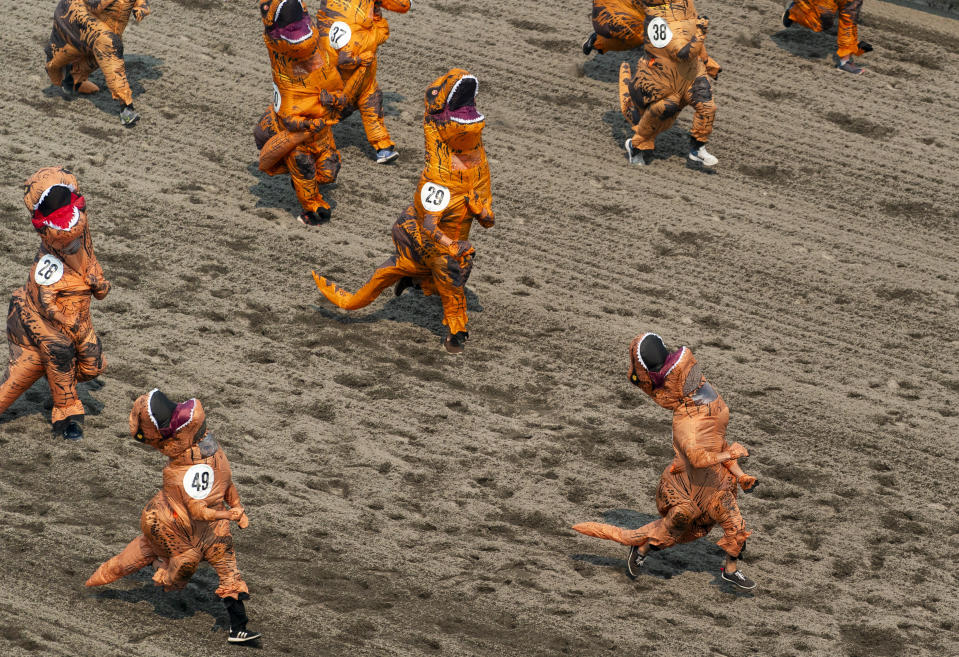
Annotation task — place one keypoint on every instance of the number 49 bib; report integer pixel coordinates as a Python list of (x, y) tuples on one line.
[(198, 481), (658, 33)]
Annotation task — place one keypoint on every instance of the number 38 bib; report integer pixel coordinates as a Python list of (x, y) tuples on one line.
[(658, 33), (198, 481)]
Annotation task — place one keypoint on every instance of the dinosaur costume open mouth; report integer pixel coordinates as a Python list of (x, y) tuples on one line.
[(58, 208), (461, 106), (291, 23)]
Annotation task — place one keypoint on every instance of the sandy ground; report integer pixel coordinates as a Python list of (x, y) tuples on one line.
[(407, 502)]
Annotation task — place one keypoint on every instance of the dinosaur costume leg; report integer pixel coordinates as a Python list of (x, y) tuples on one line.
[(370, 103), (654, 120), (218, 552), (311, 164), (449, 277), (724, 511), (700, 96), (136, 555), (90, 360), (847, 37), (59, 56), (107, 49)]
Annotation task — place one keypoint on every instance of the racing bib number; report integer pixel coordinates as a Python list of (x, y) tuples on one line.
[(434, 197), (48, 271), (198, 481), (340, 34), (658, 33), (276, 98)]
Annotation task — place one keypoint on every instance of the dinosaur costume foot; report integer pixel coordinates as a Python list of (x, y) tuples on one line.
[(86, 87)]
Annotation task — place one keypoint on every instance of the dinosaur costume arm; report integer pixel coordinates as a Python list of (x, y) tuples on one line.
[(141, 9), (399, 6), (703, 458), (456, 249)]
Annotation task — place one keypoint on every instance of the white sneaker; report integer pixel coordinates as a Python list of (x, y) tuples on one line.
[(633, 155), (702, 157)]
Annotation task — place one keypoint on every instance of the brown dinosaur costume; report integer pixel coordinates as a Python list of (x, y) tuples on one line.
[(355, 29), (672, 73), (431, 237), (87, 34), (819, 15), (698, 489), (48, 325), (294, 135), (188, 520)]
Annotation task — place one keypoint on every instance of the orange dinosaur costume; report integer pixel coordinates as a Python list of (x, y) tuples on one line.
[(671, 74), (294, 136), (431, 237), (355, 29), (48, 325), (698, 489), (88, 34), (617, 25), (187, 521), (819, 15)]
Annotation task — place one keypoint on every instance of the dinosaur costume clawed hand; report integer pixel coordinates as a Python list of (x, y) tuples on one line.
[(431, 238), (88, 34), (355, 29), (294, 136), (188, 520), (698, 489), (819, 15), (673, 72), (48, 325)]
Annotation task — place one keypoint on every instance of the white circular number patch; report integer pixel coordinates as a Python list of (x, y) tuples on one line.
[(340, 34), (276, 98), (434, 197), (198, 481), (49, 270), (658, 33)]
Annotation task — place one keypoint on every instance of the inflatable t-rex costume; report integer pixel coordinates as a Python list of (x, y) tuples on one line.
[(355, 29), (186, 522), (48, 325), (294, 136), (431, 237), (88, 34), (698, 489), (819, 15), (671, 74)]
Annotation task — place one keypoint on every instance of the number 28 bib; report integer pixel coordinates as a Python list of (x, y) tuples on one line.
[(48, 271)]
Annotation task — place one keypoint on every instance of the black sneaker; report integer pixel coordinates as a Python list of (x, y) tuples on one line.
[(242, 636), (310, 218), (739, 580), (635, 561), (455, 343), (589, 43), (787, 21), (73, 431)]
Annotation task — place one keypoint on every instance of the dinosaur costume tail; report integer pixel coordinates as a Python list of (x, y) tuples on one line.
[(136, 555), (601, 530)]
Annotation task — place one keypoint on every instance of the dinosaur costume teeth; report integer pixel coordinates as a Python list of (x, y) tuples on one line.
[(431, 238)]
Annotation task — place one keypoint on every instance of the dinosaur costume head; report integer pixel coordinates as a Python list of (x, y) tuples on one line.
[(166, 426), (451, 111), (288, 28), (52, 196)]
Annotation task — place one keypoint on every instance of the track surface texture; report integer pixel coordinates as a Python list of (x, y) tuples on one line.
[(406, 502)]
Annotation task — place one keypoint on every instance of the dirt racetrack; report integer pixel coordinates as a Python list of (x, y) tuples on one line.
[(406, 502)]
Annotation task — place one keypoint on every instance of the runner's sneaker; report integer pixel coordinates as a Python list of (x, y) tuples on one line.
[(739, 579), (589, 43), (386, 155), (73, 431), (128, 116), (635, 561), (634, 155), (787, 21), (310, 218), (850, 66), (699, 156), (242, 636), (402, 284)]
